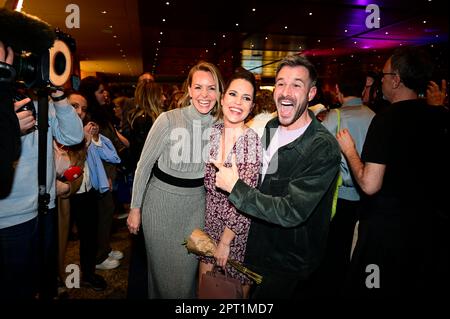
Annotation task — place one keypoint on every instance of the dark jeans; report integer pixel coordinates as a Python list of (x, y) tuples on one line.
[(48, 254), (18, 261), (83, 207), (28, 258)]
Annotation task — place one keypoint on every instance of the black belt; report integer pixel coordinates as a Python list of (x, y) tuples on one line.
[(175, 181)]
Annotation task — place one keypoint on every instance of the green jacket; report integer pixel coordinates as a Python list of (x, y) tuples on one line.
[(291, 209)]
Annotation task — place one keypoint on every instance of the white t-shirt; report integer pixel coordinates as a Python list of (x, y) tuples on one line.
[(281, 138)]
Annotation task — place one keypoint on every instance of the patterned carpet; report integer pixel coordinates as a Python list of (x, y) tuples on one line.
[(117, 279)]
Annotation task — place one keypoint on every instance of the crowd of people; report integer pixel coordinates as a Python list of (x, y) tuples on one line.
[(277, 186)]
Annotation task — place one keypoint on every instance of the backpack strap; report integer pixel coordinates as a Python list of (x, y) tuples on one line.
[(339, 181)]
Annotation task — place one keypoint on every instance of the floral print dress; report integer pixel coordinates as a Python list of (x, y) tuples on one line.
[(220, 213)]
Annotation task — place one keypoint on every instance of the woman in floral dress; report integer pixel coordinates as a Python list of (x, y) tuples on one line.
[(231, 141)]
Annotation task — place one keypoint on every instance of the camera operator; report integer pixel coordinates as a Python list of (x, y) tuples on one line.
[(9, 125), (19, 236)]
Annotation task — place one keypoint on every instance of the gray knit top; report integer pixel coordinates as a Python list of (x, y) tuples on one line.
[(179, 141)]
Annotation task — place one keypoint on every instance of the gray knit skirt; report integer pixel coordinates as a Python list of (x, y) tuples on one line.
[(169, 214)]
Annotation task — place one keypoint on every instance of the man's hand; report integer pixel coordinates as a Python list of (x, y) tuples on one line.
[(226, 177), (26, 118), (346, 142), (436, 94), (56, 97)]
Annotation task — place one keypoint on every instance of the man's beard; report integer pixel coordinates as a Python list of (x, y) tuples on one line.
[(298, 114)]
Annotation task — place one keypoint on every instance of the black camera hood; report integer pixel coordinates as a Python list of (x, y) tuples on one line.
[(24, 32)]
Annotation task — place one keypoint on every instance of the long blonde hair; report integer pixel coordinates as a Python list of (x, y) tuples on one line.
[(206, 67), (147, 98)]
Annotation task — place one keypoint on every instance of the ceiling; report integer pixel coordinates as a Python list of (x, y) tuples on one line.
[(168, 37), (108, 42), (260, 33)]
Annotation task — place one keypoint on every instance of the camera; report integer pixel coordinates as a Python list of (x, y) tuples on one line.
[(42, 54), (53, 67)]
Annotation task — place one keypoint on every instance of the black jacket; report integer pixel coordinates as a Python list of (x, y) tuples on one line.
[(291, 210)]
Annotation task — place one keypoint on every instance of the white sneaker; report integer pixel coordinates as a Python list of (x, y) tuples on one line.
[(116, 254), (108, 263)]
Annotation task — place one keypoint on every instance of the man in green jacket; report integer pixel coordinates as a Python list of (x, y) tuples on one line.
[(291, 209)]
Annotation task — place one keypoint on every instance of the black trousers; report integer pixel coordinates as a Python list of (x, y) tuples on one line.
[(29, 258), (105, 206), (18, 261), (138, 271), (329, 278), (277, 285), (83, 208), (48, 254)]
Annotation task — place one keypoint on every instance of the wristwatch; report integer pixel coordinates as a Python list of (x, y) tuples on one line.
[(58, 98)]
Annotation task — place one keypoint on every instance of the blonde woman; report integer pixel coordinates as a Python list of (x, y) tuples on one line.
[(171, 201), (149, 100)]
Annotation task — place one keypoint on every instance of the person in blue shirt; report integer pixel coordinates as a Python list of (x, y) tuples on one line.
[(356, 117), (19, 234)]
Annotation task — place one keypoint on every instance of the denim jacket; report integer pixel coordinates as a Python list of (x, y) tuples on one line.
[(102, 150)]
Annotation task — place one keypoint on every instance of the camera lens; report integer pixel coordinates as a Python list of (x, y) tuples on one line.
[(26, 68), (59, 63)]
